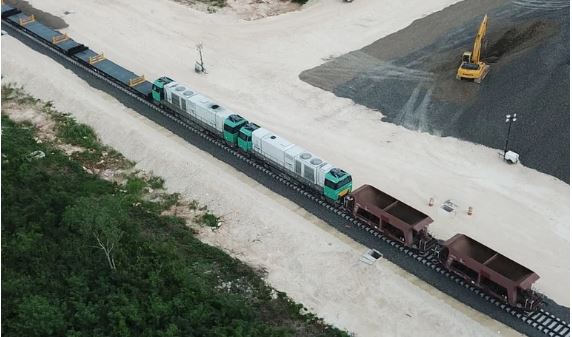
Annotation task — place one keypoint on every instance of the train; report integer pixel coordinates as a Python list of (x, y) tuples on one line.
[(481, 266), (295, 162)]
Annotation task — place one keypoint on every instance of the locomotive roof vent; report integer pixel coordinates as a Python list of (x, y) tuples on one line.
[(180, 88), (215, 106), (305, 155), (315, 161), (188, 93)]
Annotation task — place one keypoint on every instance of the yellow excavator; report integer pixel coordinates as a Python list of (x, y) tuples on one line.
[(472, 68)]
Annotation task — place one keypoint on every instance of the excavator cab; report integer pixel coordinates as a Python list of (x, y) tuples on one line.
[(466, 57), (466, 64)]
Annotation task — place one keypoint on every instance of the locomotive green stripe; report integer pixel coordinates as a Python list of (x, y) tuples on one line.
[(337, 185), (232, 125), (245, 137), (158, 92)]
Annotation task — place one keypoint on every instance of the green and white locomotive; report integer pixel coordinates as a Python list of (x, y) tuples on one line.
[(263, 144)]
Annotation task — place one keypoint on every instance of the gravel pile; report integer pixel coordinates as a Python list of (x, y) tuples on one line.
[(409, 77)]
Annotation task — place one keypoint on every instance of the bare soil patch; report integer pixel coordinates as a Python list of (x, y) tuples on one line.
[(244, 9)]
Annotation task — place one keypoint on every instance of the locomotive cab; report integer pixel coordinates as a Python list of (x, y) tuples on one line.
[(158, 92), (245, 136), (337, 184), (232, 125)]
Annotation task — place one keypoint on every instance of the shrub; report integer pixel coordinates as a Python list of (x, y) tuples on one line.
[(209, 219), (135, 185), (78, 134), (156, 182)]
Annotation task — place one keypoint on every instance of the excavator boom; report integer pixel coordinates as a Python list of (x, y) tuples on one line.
[(476, 54)]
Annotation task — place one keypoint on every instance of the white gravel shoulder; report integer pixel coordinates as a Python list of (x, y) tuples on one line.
[(303, 256), (253, 70)]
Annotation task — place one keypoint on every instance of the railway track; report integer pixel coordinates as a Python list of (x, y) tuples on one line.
[(542, 321)]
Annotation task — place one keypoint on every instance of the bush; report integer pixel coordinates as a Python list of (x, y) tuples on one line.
[(78, 134), (209, 219), (135, 186), (156, 182), (155, 279)]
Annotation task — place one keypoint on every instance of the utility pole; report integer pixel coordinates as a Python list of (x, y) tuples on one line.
[(509, 119), (200, 66), (510, 156)]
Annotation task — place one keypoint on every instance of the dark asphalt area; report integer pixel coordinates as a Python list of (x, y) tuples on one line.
[(409, 76), (392, 254)]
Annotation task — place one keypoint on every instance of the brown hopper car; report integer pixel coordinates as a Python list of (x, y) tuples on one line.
[(494, 273), (389, 216)]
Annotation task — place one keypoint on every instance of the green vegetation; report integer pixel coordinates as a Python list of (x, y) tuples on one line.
[(82, 256), (135, 186), (208, 219), (82, 135), (156, 182)]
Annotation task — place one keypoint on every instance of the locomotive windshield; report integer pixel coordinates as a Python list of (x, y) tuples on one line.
[(244, 137), (232, 129), (339, 184)]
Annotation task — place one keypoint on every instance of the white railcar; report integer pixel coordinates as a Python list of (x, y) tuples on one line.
[(196, 107), (292, 159), (209, 112)]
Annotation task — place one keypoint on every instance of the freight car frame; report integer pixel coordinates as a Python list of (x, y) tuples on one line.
[(491, 271), (390, 217), (540, 320)]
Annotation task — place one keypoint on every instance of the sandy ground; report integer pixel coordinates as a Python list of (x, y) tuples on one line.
[(258, 9), (244, 9), (253, 69), (303, 256)]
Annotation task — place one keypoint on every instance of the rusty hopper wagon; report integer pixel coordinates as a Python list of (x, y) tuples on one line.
[(389, 216), (494, 273)]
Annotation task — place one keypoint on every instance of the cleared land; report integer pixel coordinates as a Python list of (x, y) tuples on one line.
[(301, 255), (253, 69), (409, 77)]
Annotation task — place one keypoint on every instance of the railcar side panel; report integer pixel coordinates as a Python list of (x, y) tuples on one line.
[(490, 271)]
